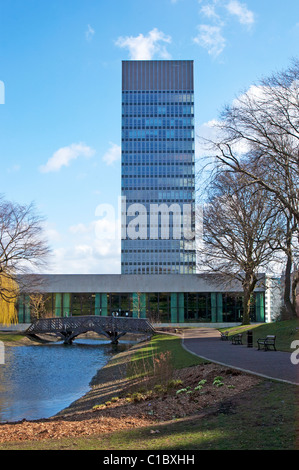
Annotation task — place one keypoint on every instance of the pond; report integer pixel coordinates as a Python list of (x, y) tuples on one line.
[(39, 381)]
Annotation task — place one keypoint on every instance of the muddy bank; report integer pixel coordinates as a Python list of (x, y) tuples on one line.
[(106, 407)]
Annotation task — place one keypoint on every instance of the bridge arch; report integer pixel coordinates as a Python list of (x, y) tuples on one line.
[(68, 328)]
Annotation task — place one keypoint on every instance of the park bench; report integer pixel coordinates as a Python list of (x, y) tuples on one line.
[(267, 343), (224, 335), (237, 339)]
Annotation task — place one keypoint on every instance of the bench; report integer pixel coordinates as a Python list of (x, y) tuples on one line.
[(224, 335), (237, 339), (267, 343)]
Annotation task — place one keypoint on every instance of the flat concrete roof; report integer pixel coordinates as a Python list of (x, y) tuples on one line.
[(122, 283)]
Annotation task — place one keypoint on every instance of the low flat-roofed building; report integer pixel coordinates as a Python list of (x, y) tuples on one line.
[(163, 299)]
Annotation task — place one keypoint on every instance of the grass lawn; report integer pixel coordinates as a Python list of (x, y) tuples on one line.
[(143, 361), (286, 332), (11, 337), (263, 418)]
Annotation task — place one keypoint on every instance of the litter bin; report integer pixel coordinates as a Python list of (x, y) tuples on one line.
[(249, 339)]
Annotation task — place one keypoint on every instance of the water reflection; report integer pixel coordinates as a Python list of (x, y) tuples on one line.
[(39, 381)]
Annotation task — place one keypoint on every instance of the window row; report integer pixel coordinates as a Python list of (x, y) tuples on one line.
[(161, 146), (158, 134), (157, 159), (186, 199), (145, 163), (183, 173), (158, 97), (155, 92), (139, 110), (157, 180), (164, 122)]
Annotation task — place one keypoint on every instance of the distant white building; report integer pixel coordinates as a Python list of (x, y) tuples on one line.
[(273, 298)]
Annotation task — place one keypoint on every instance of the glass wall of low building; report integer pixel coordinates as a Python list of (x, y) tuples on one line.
[(158, 307)]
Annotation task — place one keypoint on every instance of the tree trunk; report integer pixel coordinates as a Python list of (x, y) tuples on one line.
[(246, 306), (248, 288), (294, 293), (289, 286)]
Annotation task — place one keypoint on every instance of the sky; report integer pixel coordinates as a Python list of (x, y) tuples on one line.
[(60, 98)]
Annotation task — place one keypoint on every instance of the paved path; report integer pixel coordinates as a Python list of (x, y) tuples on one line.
[(206, 343)]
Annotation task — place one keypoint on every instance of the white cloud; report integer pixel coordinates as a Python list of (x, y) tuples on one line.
[(245, 16), (206, 133), (146, 47), (51, 233), (210, 37), (79, 229), (254, 93), (89, 33), (209, 11), (220, 12), (211, 132), (113, 154), (86, 252), (65, 155)]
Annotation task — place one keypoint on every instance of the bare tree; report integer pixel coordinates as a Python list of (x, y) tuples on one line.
[(265, 122), (263, 125), (240, 230), (23, 248), (289, 247), (37, 304)]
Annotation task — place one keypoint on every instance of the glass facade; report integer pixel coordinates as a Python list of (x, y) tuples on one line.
[(158, 175), (158, 307)]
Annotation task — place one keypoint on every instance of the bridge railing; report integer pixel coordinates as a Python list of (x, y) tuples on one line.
[(92, 323)]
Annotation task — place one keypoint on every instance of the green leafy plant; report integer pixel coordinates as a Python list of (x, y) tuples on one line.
[(218, 381), (199, 387), (99, 407), (160, 388), (182, 390), (174, 383), (200, 384)]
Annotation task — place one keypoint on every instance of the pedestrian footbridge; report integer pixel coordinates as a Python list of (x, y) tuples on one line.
[(68, 328)]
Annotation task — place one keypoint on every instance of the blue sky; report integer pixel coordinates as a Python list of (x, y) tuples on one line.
[(60, 124)]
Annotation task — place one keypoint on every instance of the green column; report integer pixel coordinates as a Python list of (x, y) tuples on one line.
[(259, 307), (66, 305), (214, 307), (24, 309), (136, 301), (142, 303), (177, 312), (173, 307), (181, 307), (58, 305), (139, 305), (104, 305), (219, 307), (97, 304)]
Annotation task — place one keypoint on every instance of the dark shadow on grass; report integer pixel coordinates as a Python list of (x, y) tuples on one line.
[(263, 418)]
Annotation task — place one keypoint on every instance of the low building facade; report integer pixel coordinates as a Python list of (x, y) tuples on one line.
[(194, 299)]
